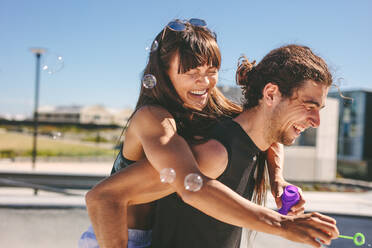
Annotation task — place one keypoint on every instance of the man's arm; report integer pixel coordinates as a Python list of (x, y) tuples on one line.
[(139, 183), (275, 163)]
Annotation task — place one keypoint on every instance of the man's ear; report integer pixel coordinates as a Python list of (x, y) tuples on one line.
[(271, 94)]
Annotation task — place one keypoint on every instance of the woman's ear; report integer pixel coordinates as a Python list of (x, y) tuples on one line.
[(271, 94)]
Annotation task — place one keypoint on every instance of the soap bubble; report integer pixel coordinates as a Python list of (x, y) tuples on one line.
[(149, 81), (57, 135), (167, 175), (51, 62), (193, 182), (154, 46)]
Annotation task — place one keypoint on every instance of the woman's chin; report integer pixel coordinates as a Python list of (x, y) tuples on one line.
[(195, 106)]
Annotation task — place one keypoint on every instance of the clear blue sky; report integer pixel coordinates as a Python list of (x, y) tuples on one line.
[(103, 43)]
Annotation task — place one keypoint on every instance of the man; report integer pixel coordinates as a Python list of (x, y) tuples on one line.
[(283, 96)]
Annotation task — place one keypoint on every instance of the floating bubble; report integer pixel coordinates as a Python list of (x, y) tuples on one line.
[(193, 182), (51, 63), (154, 46), (57, 135), (167, 175), (149, 81)]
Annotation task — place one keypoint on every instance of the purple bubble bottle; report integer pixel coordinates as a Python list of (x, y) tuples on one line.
[(290, 197)]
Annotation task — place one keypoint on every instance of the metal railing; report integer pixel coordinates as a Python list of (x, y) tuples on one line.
[(58, 183)]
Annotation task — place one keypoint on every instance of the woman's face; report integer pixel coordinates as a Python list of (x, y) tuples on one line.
[(195, 85)]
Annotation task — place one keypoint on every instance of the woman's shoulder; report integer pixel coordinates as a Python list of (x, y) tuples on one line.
[(150, 116), (149, 112)]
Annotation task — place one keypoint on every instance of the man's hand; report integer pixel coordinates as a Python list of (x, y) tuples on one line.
[(275, 162), (277, 188), (307, 228)]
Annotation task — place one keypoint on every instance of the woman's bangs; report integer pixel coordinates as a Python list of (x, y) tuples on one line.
[(199, 54)]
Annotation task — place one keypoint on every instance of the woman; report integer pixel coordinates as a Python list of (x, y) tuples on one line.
[(182, 107)]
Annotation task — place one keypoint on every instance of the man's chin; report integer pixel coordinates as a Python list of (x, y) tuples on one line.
[(287, 141)]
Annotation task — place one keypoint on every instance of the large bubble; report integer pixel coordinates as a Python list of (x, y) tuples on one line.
[(149, 81), (193, 182)]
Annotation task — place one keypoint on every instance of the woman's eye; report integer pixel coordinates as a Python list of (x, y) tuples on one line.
[(193, 75)]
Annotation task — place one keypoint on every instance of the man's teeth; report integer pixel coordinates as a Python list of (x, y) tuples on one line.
[(301, 129), (198, 92)]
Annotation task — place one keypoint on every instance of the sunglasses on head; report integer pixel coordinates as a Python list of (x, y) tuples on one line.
[(180, 25)]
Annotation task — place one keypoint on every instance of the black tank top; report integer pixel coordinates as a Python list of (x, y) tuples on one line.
[(120, 162), (178, 225)]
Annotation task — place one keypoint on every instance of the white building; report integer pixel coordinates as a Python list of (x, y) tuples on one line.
[(94, 114), (319, 162)]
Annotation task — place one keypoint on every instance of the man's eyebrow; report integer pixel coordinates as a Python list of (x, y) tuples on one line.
[(315, 103)]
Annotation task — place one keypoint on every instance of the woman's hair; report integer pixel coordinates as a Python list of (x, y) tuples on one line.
[(288, 67), (195, 46)]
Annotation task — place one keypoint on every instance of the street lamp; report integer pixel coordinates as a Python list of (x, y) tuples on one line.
[(38, 52)]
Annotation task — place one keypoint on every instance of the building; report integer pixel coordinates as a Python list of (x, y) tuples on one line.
[(314, 155), (65, 114), (355, 133), (232, 93), (94, 114)]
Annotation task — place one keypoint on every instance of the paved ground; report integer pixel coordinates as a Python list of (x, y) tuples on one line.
[(41, 228), (53, 220)]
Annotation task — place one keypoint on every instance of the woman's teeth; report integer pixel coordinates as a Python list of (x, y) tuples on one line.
[(198, 92)]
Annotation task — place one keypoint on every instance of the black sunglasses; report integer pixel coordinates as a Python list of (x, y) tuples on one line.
[(180, 25)]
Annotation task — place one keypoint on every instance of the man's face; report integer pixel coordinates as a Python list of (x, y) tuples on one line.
[(295, 114)]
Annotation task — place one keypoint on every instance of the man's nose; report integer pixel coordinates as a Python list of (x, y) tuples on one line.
[(315, 119)]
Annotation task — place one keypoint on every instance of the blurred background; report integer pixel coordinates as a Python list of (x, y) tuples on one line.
[(70, 77)]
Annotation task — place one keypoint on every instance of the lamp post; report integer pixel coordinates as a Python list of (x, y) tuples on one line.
[(38, 52)]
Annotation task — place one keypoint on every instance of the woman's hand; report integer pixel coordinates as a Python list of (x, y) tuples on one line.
[(309, 228)]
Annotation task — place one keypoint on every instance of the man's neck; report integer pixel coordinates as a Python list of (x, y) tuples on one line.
[(256, 124)]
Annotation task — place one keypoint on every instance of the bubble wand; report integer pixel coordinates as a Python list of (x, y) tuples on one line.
[(358, 238)]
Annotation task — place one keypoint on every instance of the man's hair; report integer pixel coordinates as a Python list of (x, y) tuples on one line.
[(288, 67)]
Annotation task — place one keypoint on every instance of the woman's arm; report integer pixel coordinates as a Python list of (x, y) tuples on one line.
[(139, 183), (155, 131)]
